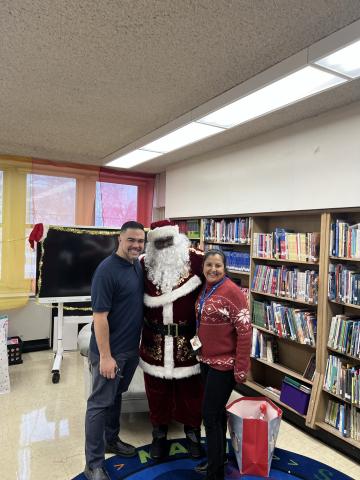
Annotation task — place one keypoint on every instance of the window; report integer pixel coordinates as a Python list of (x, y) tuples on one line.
[(115, 204), (49, 200)]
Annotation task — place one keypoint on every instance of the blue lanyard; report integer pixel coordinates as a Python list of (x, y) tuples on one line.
[(203, 298)]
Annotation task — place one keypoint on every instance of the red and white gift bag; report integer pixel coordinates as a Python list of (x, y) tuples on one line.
[(254, 424)]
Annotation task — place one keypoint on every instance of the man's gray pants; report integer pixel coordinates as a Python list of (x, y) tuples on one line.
[(102, 421)]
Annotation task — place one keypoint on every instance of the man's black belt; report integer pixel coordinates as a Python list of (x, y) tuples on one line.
[(171, 329)]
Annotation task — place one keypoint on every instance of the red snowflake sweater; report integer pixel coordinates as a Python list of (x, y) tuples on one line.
[(225, 330)]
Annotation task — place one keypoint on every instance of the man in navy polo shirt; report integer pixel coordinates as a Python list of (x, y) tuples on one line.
[(117, 301)]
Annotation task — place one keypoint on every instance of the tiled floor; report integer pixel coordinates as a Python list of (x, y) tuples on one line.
[(42, 425)]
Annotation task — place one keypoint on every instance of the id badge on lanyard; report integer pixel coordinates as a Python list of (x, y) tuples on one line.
[(195, 341)]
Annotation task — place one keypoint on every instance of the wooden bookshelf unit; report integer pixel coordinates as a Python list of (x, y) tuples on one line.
[(340, 270), (294, 261)]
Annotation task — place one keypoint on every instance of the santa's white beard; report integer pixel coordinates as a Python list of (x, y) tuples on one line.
[(167, 266)]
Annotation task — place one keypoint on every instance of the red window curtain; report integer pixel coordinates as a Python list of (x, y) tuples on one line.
[(145, 184)]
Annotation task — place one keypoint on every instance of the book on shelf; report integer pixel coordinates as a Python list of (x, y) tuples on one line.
[(345, 418), (344, 335), (273, 391), (281, 319), (237, 230), (284, 244), (190, 228), (344, 239), (288, 282), (236, 261), (259, 314), (344, 284), (309, 371), (264, 346), (343, 379)]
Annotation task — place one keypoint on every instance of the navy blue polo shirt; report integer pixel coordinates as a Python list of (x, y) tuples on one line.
[(118, 288)]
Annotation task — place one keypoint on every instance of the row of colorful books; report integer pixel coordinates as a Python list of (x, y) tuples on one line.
[(344, 418), (236, 230), (235, 260), (287, 282), (344, 284), (342, 379), (191, 228), (284, 321), (344, 335), (285, 245), (344, 240), (239, 261)]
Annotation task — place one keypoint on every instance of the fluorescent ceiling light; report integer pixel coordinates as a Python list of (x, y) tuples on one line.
[(133, 158), (283, 92), (191, 133), (345, 61)]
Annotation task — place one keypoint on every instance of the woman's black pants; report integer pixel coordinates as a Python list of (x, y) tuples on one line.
[(218, 386)]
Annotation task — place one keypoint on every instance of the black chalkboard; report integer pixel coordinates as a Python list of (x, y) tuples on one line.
[(67, 259)]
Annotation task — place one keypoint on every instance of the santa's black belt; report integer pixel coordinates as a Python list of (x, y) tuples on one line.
[(171, 329)]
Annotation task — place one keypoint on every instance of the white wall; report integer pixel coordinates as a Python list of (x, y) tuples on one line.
[(32, 322), (312, 164)]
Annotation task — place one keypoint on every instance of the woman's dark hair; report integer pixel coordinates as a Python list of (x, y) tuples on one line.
[(215, 251)]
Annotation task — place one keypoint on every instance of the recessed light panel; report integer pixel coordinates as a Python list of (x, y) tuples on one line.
[(133, 158), (290, 89), (345, 61)]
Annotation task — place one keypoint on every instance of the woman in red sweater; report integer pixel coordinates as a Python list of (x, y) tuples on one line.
[(224, 343)]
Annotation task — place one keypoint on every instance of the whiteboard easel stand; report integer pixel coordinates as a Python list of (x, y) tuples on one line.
[(60, 326)]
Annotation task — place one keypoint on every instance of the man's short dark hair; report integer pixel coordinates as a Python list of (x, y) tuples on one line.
[(131, 224)]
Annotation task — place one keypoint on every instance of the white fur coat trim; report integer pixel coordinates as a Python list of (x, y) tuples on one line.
[(168, 373), (161, 300)]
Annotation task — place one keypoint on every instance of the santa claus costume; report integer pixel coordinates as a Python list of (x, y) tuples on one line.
[(173, 277)]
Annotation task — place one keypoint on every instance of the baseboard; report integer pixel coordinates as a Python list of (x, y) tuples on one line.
[(36, 345)]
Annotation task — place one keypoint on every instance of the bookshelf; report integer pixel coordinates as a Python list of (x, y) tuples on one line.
[(338, 403), (285, 287), (232, 235), (299, 358), (191, 228)]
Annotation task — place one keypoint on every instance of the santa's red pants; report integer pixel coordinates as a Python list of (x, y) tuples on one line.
[(175, 399)]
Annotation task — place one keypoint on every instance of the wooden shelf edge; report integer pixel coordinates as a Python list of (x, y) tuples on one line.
[(283, 338), (345, 304), (338, 397), (238, 272), (280, 368), (343, 354), (336, 433), (280, 260), (236, 244), (344, 259), (260, 389), (287, 299)]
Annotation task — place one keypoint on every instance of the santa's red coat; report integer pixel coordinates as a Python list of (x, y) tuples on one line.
[(167, 356)]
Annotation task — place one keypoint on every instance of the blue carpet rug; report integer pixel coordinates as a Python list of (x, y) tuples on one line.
[(178, 466)]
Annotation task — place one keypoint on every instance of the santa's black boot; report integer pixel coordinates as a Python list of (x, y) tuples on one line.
[(193, 438), (159, 445)]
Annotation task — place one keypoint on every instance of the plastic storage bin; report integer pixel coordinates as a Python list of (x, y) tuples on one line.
[(295, 398)]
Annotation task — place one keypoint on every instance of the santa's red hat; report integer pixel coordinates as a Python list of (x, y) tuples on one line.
[(162, 229)]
